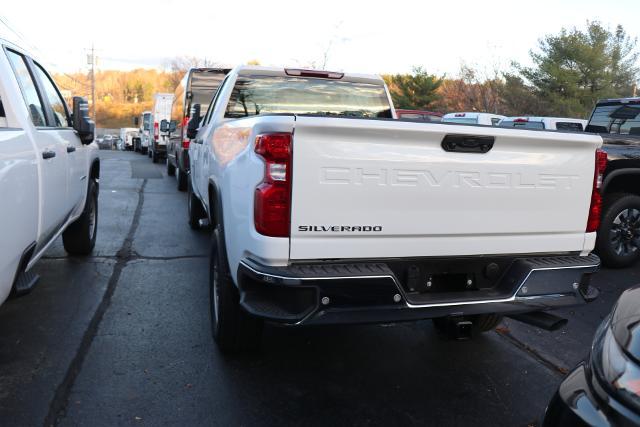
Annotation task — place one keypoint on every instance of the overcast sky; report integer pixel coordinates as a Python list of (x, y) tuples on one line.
[(368, 37)]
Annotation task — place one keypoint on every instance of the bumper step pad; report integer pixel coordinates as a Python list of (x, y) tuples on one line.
[(25, 283)]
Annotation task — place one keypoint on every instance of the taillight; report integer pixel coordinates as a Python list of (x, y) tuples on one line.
[(156, 131), (185, 144), (272, 203), (595, 210)]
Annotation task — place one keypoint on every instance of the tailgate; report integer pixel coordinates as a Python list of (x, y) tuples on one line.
[(379, 189)]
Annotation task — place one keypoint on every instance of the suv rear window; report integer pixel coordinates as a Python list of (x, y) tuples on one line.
[(521, 125), (253, 95), (569, 126), (615, 118), (467, 120)]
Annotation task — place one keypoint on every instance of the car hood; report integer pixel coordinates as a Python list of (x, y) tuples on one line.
[(625, 322)]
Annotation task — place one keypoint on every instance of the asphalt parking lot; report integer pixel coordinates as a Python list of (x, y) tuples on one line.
[(123, 338)]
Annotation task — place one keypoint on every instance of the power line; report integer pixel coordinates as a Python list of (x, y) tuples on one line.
[(5, 22)]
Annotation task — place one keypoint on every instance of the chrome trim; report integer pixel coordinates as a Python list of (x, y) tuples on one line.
[(514, 297)]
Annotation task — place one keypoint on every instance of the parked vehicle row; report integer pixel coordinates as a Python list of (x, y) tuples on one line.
[(324, 211), (49, 170)]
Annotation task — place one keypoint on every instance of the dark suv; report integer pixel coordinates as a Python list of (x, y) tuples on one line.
[(197, 87), (618, 122)]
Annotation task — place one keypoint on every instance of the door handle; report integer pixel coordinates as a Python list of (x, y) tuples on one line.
[(48, 154), (70, 148), (467, 143)]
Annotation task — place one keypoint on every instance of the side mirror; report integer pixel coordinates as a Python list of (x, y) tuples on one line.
[(82, 123), (194, 122), (136, 121)]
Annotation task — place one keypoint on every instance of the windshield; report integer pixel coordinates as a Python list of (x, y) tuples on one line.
[(253, 95), (521, 124), (616, 118)]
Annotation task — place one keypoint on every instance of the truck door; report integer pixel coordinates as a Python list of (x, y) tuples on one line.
[(19, 193), (51, 153), (76, 153)]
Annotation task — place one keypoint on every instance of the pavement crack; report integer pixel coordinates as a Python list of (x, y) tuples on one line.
[(535, 354), (58, 405)]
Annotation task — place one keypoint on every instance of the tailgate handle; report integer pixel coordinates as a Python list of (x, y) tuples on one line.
[(467, 143)]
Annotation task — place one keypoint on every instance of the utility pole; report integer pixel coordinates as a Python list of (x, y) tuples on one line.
[(91, 60)]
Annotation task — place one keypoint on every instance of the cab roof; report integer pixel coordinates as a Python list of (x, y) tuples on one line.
[(245, 70)]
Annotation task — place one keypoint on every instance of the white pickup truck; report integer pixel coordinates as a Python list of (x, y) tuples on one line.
[(327, 210), (49, 170)]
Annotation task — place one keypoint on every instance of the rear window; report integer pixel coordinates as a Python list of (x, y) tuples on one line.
[(570, 127), (521, 125), (618, 118), (467, 120), (146, 121), (203, 86), (420, 117), (253, 95)]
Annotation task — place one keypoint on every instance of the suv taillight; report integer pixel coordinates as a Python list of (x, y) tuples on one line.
[(156, 131), (595, 210), (272, 203)]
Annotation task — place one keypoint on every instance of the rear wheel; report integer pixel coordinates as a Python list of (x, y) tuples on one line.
[(233, 329), (195, 209), (171, 170), (485, 322), (181, 177), (154, 157), (80, 237), (149, 153), (618, 238)]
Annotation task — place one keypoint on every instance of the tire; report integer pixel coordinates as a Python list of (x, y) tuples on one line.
[(171, 169), (80, 237), (618, 239), (182, 179), (233, 329), (485, 322), (195, 209), (154, 157), (149, 152)]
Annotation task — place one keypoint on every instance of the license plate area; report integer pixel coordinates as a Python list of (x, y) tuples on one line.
[(447, 276)]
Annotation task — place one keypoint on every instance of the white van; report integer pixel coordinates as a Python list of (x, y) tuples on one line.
[(548, 123), (473, 118), (145, 133), (161, 111), (127, 135)]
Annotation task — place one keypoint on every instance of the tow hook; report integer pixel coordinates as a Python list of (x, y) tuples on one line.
[(458, 328)]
